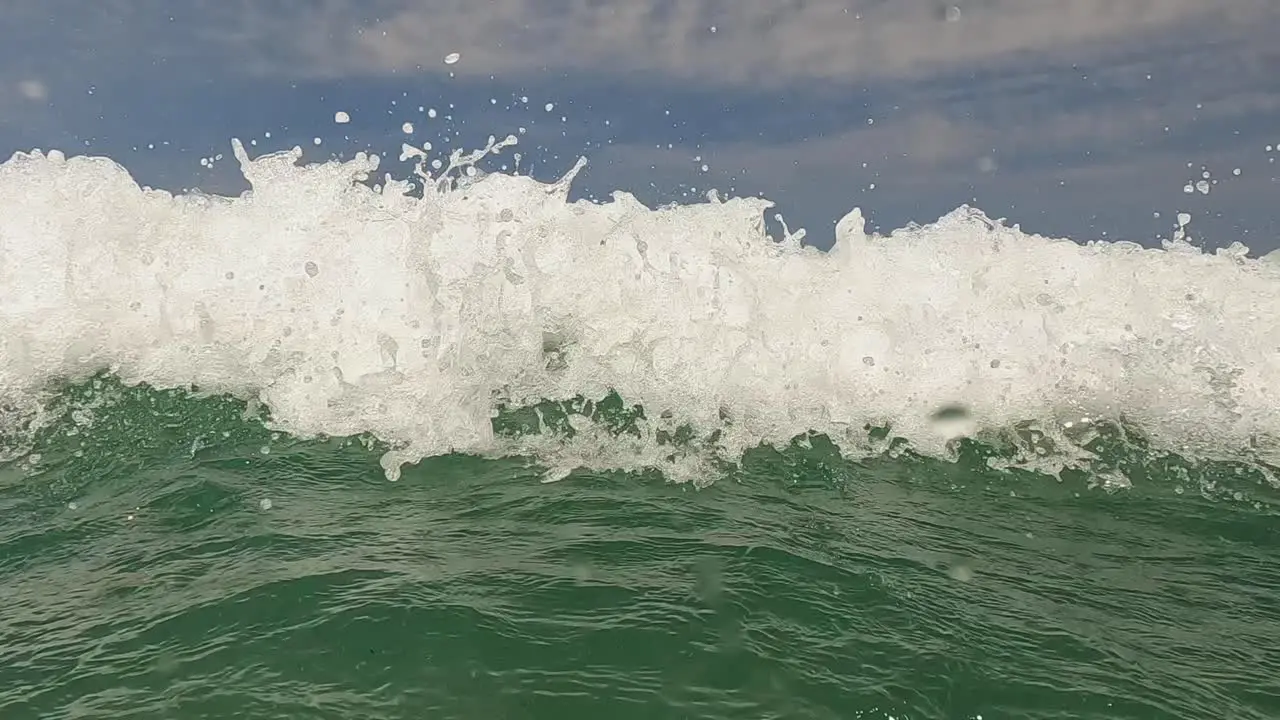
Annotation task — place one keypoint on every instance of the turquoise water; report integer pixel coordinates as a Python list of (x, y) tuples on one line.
[(167, 556)]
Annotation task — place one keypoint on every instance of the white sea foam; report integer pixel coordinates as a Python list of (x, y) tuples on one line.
[(347, 309)]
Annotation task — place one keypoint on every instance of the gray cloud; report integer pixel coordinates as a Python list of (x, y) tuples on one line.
[(754, 41), (953, 136)]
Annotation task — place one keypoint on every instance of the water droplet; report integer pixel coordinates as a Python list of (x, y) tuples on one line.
[(452, 58), (961, 572), (264, 503), (33, 90), (341, 117)]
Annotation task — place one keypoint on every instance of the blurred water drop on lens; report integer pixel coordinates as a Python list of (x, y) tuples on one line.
[(961, 571)]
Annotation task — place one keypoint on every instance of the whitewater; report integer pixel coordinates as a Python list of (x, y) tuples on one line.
[(415, 311)]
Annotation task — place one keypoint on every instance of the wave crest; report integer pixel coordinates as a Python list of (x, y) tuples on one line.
[(352, 308)]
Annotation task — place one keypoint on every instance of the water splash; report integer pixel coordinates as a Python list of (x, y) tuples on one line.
[(348, 307)]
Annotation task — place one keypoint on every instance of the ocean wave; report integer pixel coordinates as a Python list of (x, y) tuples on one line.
[(416, 311)]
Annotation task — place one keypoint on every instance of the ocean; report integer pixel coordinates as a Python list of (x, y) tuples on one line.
[(459, 447)]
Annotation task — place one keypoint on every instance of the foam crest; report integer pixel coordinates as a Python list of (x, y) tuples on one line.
[(349, 309)]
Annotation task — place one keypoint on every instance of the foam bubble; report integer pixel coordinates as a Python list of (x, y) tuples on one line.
[(348, 309)]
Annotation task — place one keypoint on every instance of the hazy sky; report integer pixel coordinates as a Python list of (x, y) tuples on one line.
[(1071, 117)]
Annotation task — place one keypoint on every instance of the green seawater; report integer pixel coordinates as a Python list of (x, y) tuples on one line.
[(167, 556)]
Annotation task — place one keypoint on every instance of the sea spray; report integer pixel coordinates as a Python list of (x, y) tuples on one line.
[(417, 311)]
